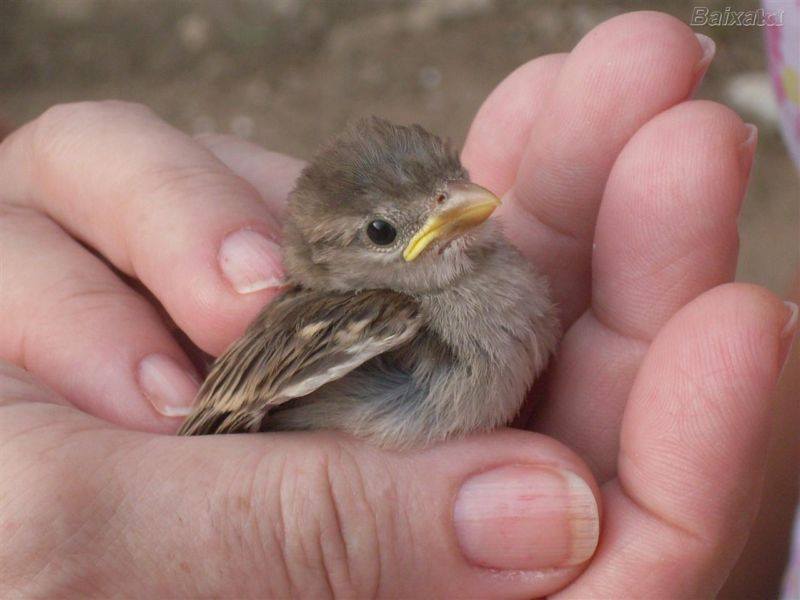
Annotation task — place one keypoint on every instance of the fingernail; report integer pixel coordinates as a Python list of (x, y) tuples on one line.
[(788, 333), (170, 388), (747, 151), (250, 261), (709, 50), (526, 518)]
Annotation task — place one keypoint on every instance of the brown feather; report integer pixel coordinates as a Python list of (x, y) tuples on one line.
[(298, 343)]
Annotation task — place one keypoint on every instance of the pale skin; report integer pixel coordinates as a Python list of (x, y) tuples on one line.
[(616, 184)]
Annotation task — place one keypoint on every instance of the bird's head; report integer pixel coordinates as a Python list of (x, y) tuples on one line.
[(386, 206)]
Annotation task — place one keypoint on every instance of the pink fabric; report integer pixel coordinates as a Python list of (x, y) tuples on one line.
[(783, 53)]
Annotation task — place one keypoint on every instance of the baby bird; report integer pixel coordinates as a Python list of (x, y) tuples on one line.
[(408, 319)]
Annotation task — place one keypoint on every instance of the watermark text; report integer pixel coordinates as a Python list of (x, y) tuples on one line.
[(728, 17)]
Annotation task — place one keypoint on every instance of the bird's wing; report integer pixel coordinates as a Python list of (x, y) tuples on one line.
[(300, 342)]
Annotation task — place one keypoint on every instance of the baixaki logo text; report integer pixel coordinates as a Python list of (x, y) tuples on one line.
[(727, 17)]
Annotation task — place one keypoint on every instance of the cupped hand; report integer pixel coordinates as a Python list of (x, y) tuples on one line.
[(620, 188)]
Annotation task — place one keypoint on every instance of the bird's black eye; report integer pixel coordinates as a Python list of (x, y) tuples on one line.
[(381, 232)]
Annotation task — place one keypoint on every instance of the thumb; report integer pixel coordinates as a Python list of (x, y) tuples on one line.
[(507, 514), (310, 515)]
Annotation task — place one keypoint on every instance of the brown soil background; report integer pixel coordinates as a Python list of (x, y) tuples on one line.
[(288, 73)]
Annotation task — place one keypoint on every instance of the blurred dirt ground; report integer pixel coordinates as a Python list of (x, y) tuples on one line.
[(288, 73)]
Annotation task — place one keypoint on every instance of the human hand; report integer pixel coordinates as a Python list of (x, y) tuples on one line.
[(634, 195), (135, 513)]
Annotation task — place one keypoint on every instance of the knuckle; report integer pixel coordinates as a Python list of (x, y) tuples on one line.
[(90, 297), (316, 517), (81, 295), (60, 120), (166, 189), (326, 530), (56, 131), (167, 183), (57, 115), (51, 131)]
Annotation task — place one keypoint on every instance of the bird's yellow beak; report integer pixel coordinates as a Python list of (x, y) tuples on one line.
[(467, 205)]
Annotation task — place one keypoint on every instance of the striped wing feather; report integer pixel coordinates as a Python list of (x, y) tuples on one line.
[(299, 342)]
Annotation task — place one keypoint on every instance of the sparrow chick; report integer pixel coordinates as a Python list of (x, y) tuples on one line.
[(409, 317)]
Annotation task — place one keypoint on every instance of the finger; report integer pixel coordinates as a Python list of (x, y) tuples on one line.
[(272, 174), (666, 232), (70, 321), (694, 439), (309, 515), (500, 131), (620, 75), (771, 534), (162, 208), (667, 229)]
